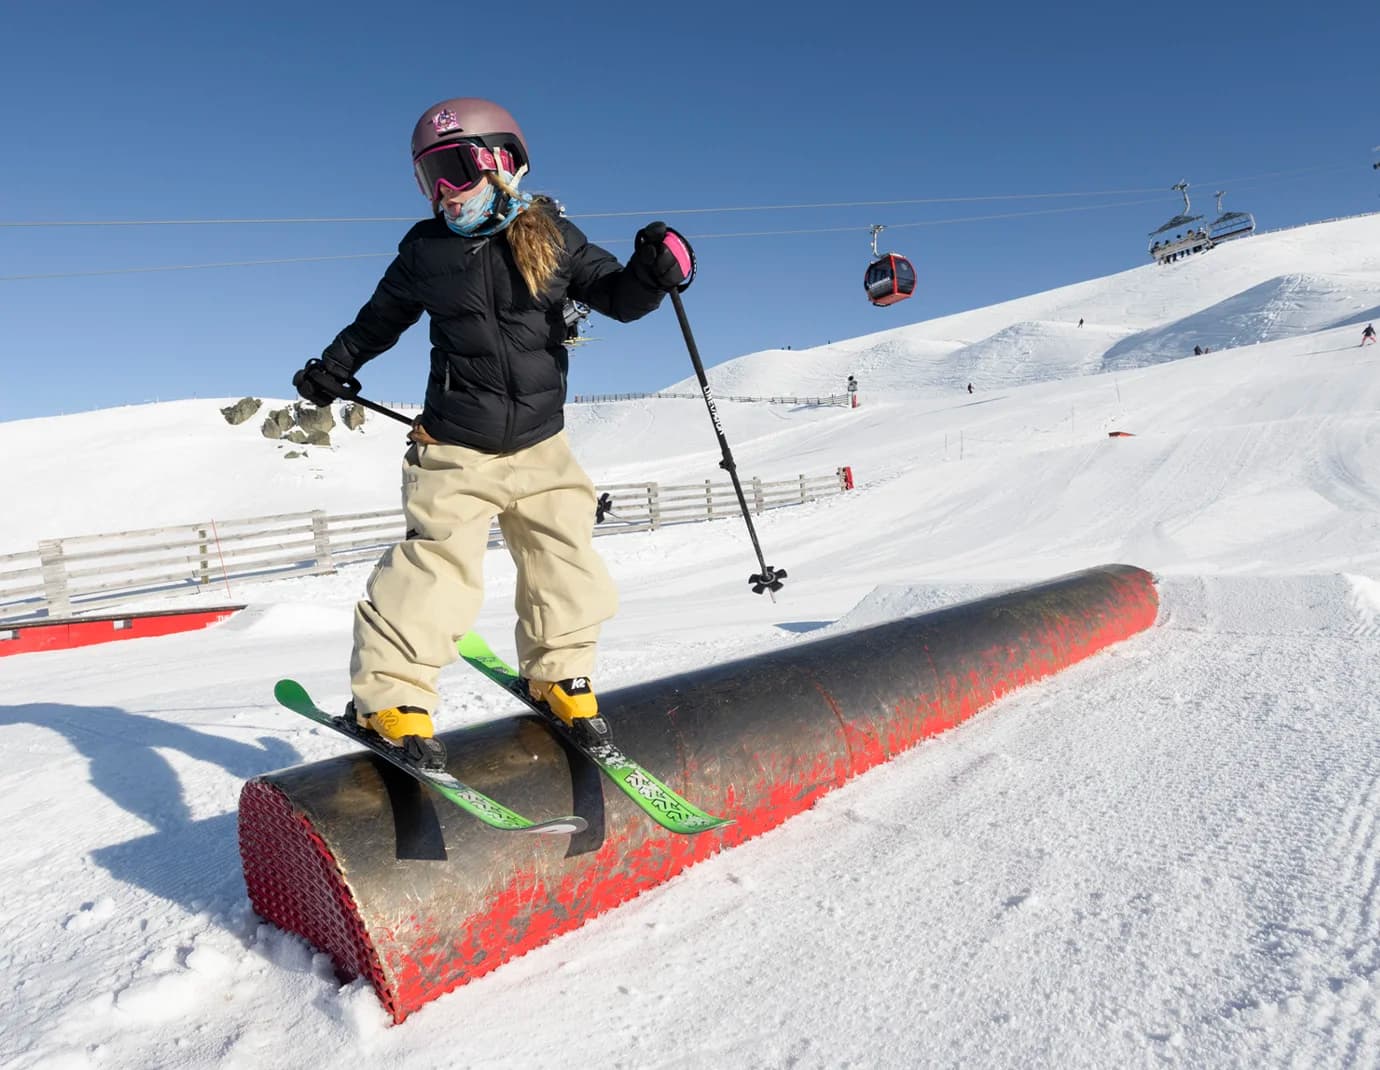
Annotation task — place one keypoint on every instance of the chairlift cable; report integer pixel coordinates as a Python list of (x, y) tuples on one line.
[(602, 242), (33, 224)]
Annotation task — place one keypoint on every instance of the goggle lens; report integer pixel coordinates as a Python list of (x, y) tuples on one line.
[(457, 167)]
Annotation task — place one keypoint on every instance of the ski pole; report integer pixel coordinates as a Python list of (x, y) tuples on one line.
[(352, 386), (349, 391), (380, 409), (605, 504), (769, 579)]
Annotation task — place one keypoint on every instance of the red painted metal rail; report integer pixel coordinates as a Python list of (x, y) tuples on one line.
[(408, 891)]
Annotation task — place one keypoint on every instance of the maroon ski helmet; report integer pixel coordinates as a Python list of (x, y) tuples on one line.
[(481, 122)]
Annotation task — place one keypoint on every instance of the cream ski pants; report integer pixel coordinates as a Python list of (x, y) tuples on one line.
[(426, 591)]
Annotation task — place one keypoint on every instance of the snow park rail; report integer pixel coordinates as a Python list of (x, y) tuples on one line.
[(74, 632), (420, 898)]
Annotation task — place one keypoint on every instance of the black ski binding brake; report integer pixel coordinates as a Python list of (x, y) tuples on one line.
[(425, 752), (767, 580)]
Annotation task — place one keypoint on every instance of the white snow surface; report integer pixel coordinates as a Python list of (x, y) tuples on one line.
[(1168, 854)]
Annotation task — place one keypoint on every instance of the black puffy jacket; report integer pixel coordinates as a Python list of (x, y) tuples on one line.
[(498, 362)]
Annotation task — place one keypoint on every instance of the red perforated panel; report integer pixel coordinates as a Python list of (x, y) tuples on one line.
[(295, 883)]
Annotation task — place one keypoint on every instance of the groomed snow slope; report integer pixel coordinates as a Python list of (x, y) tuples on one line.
[(1275, 285), (1169, 854)]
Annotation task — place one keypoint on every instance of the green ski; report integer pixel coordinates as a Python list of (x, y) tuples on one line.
[(493, 813), (663, 805)]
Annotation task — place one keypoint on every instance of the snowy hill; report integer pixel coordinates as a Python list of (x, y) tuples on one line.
[(1032, 352), (1267, 288), (1270, 286), (1169, 853)]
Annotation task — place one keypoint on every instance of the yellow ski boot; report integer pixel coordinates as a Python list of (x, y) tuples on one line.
[(572, 702), (408, 728)]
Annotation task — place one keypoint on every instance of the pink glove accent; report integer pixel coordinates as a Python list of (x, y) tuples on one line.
[(677, 247)]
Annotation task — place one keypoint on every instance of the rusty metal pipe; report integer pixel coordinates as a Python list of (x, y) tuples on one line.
[(405, 889)]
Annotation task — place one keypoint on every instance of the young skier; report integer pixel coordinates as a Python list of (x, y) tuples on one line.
[(492, 268), (1368, 335)]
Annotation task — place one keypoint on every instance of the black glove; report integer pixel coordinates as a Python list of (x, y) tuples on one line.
[(662, 258), (323, 380)]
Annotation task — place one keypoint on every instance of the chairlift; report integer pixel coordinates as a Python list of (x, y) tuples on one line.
[(1194, 240), (1229, 225), (575, 314), (890, 277)]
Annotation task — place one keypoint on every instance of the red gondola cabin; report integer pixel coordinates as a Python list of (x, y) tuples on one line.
[(890, 278)]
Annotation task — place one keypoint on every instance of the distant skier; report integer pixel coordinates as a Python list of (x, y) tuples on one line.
[(1197, 351), (1368, 335), (1080, 321), (852, 392), (970, 388), (491, 266)]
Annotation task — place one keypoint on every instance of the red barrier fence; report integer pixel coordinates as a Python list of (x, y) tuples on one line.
[(86, 631)]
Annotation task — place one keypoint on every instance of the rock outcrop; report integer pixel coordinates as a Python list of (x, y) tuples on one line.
[(242, 410)]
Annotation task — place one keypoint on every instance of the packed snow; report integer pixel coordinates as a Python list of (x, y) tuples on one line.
[(1169, 853)]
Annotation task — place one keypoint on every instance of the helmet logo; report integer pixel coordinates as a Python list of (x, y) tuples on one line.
[(445, 121)]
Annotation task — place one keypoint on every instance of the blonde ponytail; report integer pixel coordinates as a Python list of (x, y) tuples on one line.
[(535, 240)]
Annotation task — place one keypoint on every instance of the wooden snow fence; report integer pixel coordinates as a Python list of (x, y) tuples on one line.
[(22, 588), (648, 506), (86, 573)]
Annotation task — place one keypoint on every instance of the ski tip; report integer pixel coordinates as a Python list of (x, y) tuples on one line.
[(472, 645), (287, 689), (712, 825), (560, 826)]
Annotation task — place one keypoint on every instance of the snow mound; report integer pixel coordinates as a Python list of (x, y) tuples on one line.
[(892, 362), (1365, 601), (671, 440), (1283, 307), (1033, 351), (893, 601), (290, 619), (1305, 605)]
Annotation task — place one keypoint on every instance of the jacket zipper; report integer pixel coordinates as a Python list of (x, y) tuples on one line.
[(509, 406)]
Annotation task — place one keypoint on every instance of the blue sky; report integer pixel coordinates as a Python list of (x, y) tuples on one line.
[(259, 111)]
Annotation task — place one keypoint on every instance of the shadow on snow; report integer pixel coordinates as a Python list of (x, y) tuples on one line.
[(191, 862)]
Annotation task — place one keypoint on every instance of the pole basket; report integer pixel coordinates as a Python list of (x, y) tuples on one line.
[(768, 580)]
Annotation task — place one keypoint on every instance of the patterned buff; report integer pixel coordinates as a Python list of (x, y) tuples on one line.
[(491, 211)]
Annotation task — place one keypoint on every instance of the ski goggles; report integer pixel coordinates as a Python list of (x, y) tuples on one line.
[(456, 167)]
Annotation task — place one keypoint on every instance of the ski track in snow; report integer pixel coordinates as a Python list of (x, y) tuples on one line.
[(1166, 855)]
